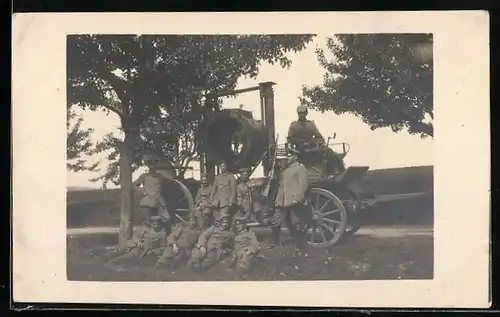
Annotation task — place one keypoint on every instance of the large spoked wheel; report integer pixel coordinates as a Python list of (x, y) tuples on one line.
[(180, 202), (329, 218)]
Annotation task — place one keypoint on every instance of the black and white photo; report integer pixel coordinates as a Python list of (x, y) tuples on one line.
[(281, 159)]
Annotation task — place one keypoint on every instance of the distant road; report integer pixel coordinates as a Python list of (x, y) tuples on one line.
[(382, 232)]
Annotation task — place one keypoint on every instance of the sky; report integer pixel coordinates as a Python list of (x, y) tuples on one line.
[(378, 149)]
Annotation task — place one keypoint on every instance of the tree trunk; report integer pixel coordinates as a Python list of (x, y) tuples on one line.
[(126, 198)]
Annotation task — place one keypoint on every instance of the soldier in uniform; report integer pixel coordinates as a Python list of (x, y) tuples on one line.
[(290, 199), (180, 244), (223, 195), (303, 132), (304, 136), (214, 244), (244, 197), (153, 203), (152, 240), (246, 246), (203, 212)]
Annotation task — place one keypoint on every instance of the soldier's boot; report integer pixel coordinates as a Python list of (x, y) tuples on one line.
[(163, 261), (275, 238), (193, 263), (176, 260)]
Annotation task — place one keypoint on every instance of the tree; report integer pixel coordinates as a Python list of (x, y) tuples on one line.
[(78, 144), (386, 79), (161, 77)]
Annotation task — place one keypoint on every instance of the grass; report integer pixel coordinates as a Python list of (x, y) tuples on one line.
[(362, 258)]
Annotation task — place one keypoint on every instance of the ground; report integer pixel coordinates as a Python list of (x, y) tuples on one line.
[(377, 254)]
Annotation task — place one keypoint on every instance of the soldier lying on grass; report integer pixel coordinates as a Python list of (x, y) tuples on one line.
[(180, 244), (152, 240), (246, 247), (214, 245)]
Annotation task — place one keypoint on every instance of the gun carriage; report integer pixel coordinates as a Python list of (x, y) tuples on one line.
[(241, 141)]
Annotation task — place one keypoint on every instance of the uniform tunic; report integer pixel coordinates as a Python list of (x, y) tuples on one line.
[(246, 247), (218, 244), (152, 184), (203, 211), (185, 238), (293, 185), (303, 131), (244, 197), (145, 242), (223, 194)]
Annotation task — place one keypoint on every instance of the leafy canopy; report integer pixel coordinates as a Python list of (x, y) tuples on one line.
[(156, 84), (386, 79), (78, 144)]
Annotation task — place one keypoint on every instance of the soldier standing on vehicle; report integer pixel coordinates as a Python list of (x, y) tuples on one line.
[(153, 203), (290, 199), (203, 212), (152, 240), (223, 195), (302, 131), (214, 244), (244, 197), (180, 244), (246, 246)]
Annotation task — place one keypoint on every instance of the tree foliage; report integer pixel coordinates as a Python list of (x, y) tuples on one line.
[(382, 78), (78, 144), (156, 84)]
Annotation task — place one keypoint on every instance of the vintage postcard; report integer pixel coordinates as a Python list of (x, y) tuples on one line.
[(333, 159)]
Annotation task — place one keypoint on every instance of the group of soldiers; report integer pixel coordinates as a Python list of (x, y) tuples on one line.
[(217, 229)]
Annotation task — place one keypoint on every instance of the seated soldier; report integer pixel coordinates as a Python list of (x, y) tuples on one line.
[(152, 240), (246, 246), (214, 244), (303, 133), (204, 213), (180, 244), (304, 137)]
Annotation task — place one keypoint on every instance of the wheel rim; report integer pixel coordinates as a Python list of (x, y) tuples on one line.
[(179, 199), (329, 218)]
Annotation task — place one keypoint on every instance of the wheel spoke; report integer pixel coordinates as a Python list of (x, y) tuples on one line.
[(324, 205), (328, 229), (330, 212), (180, 200), (317, 202), (322, 233), (330, 220)]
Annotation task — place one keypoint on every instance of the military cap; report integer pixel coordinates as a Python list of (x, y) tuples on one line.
[(222, 218), (302, 109), (238, 220)]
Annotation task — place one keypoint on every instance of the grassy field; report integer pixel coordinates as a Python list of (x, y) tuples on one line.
[(363, 258), (101, 207)]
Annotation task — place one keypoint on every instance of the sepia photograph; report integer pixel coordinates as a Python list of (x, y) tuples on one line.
[(290, 159), (228, 157)]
